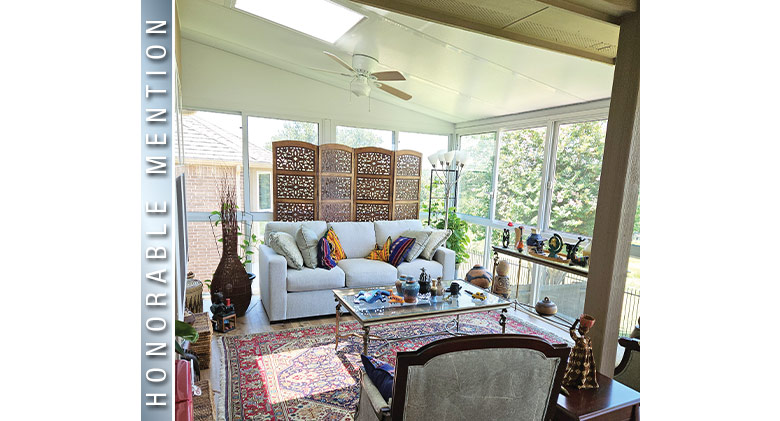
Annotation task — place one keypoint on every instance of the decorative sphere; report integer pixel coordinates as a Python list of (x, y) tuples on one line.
[(479, 276), (503, 268)]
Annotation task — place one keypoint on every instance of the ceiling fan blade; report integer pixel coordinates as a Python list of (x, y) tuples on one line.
[(330, 71), (389, 75), (392, 91), (339, 61)]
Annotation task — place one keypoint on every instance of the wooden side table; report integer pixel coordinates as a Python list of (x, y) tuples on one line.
[(611, 401)]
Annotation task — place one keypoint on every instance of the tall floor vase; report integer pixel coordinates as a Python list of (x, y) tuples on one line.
[(231, 278)]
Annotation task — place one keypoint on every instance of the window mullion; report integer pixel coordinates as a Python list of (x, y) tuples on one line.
[(548, 175)]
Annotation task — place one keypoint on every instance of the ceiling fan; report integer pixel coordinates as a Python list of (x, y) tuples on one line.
[(363, 76)]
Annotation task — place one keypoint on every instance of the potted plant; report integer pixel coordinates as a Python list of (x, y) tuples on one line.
[(230, 278), (459, 240)]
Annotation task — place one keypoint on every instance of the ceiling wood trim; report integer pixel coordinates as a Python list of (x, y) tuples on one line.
[(583, 10), (441, 16)]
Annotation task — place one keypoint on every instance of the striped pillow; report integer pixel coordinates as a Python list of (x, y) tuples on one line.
[(399, 249), (336, 252), (383, 253), (324, 259)]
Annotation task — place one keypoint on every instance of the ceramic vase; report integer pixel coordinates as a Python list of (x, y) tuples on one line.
[(519, 238), (479, 276), (230, 278), (410, 289)]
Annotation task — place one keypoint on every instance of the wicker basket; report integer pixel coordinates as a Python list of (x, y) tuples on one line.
[(202, 347), (203, 405), (194, 296)]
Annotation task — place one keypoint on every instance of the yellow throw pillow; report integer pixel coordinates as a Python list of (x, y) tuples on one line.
[(336, 252), (382, 253)]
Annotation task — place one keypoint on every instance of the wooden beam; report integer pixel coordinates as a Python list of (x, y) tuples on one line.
[(454, 21), (582, 10), (616, 202)]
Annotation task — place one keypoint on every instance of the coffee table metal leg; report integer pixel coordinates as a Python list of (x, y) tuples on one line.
[(366, 331), (502, 320), (338, 316), (457, 323)]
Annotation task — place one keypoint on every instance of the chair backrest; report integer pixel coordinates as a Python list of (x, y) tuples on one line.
[(627, 372), (497, 377)]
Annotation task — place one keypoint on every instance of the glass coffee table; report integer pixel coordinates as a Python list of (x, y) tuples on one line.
[(384, 313)]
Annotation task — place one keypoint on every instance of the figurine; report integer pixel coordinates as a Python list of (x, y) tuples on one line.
[(533, 239), (538, 247), (571, 254), (478, 296), (519, 239), (219, 307), (373, 296), (424, 281), (454, 289), (555, 244), (395, 299), (581, 368), (505, 236)]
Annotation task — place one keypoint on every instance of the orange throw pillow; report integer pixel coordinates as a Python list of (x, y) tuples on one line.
[(382, 253), (336, 252)]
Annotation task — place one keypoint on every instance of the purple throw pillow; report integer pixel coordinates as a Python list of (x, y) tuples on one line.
[(399, 249), (324, 260), (381, 375)]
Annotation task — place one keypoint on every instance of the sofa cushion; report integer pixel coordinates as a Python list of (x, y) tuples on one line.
[(437, 239), (399, 249), (307, 244), (284, 245), (314, 279), (324, 258), (357, 238), (394, 229), (432, 267), (381, 375), (361, 273), (420, 239), (336, 252), (319, 228), (381, 253)]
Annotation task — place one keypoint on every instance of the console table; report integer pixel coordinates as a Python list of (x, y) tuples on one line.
[(611, 401), (525, 255)]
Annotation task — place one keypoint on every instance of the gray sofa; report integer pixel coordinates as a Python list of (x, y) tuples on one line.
[(288, 293)]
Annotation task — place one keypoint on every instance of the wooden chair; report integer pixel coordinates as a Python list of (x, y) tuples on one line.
[(497, 377), (627, 372)]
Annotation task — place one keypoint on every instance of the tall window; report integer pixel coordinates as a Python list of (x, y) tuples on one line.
[(263, 131), (211, 151), (577, 176), (427, 144), (520, 169), (357, 137), (475, 184)]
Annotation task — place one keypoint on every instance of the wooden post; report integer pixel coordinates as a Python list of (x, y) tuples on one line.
[(616, 202)]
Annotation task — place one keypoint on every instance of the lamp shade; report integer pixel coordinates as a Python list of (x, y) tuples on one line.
[(433, 159), (449, 156)]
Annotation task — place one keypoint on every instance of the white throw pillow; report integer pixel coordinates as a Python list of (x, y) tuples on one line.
[(437, 239), (307, 240), (284, 245), (420, 237)]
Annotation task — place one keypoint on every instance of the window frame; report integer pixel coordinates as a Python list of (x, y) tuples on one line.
[(260, 173)]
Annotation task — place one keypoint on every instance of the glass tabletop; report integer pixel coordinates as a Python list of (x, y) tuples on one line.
[(379, 311)]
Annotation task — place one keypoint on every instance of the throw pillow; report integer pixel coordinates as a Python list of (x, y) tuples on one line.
[(420, 238), (284, 245), (437, 239), (336, 252), (324, 259), (399, 249), (381, 375), (307, 240), (383, 253)]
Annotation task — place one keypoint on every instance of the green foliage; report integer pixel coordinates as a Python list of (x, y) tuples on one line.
[(459, 240), (297, 130), (356, 137), (475, 184), (246, 246), (186, 332), (519, 186)]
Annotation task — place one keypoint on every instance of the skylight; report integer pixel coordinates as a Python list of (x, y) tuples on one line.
[(318, 18)]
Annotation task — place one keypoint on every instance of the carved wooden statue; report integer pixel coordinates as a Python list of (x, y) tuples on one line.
[(581, 369)]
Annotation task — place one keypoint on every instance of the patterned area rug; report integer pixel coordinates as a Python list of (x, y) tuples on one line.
[(297, 374)]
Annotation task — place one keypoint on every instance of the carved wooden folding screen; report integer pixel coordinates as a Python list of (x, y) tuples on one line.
[(373, 184), (295, 181), (337, 183), (406, 199)]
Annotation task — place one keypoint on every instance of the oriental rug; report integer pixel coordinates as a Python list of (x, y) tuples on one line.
[(297, 374)]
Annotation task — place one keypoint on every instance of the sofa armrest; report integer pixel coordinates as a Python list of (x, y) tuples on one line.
[(446, 257), (371, 404), (273, 283)]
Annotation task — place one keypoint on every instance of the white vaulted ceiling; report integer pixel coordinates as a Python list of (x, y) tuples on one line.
[(452, 74)]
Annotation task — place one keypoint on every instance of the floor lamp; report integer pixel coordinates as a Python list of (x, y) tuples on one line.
[(441, 162)]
